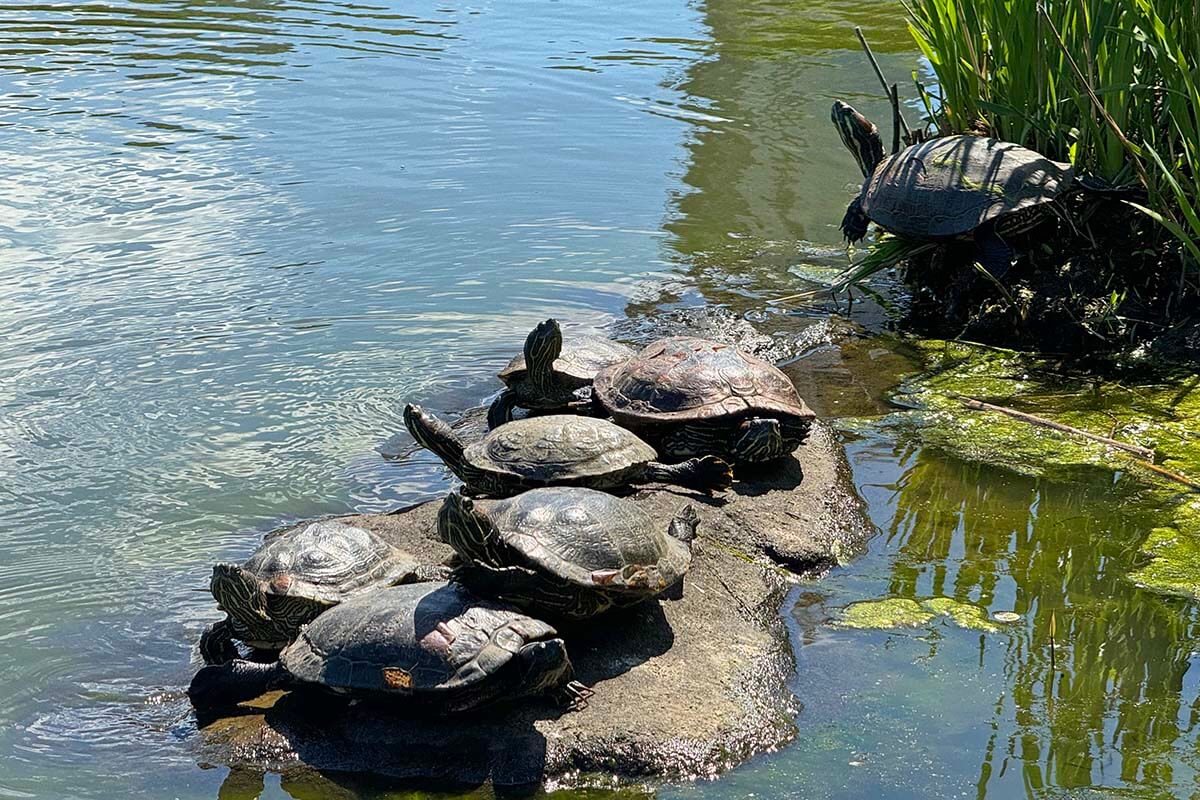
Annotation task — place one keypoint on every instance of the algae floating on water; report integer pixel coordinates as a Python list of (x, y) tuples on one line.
[(902, 612), (964, 615), (895, 612)]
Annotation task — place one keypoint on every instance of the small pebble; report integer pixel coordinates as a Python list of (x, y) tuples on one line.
[(1006, 616)]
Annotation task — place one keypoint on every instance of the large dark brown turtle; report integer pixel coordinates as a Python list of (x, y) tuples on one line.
[(953, 187), (692, 397), (294, 576), (557, 450), (567, 552), (553, 374), (429, 646)]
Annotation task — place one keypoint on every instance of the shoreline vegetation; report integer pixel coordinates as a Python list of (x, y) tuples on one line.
[(1111, 86)]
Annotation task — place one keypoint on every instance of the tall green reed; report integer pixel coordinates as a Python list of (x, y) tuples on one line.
[(1110, 85)]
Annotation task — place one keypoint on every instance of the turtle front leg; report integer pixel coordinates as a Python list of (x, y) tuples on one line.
[(216, 643), (993, 253), (708, 474), (683, 525), (855, 222), (583, 402), (759, 439), (574, 695), (501, 409)]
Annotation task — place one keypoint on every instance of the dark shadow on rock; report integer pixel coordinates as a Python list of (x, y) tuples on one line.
[(782, 474), (622, 639)]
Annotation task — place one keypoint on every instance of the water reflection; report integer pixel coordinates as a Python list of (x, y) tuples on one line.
[(1116, 707), (765, 182), (237, 236), (251, 38)]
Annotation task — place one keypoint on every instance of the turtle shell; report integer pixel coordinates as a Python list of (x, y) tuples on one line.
[(557, 447), (425, 638), (952, 185), (325, 560), (577, 534), (685, 379), (581, 358)]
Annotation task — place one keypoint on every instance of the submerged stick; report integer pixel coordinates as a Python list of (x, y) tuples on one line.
[(882, 80), (1033, 419)]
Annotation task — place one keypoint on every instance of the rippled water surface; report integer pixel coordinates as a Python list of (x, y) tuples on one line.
[(236, 236)]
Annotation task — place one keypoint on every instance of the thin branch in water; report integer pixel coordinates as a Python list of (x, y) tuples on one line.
[(1033, 419)]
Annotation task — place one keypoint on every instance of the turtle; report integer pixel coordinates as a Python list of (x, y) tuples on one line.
[(691, 396), (551, 374), (566, 552), (558, 450), (293, 577), (432, 647), (963, 187)]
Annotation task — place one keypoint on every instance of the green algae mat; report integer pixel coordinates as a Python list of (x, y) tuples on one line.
[(1161, 415)]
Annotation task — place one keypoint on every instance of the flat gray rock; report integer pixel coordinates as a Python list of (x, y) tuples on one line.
[(684, 687)]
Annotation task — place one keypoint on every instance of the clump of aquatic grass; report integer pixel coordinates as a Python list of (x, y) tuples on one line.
[(887, 252), (1110, 85)]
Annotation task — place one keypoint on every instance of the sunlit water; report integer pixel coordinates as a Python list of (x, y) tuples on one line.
[(236, 236)]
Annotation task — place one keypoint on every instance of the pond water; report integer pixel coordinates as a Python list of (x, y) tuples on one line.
[(238, 235)]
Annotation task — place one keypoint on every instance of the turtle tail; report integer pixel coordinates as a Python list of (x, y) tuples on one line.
[(225, 685), (708, 474), (855, 222)]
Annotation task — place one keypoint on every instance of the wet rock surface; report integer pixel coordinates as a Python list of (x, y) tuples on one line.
[(684, 687)]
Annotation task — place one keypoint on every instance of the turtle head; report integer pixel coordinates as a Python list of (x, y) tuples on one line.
[(758, 440), (542, 346), (547, 667), (467, 529), (860, 136), (239, 593), (435, 435)]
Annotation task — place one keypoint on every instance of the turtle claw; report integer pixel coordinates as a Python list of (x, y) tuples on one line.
[(576, 695)]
